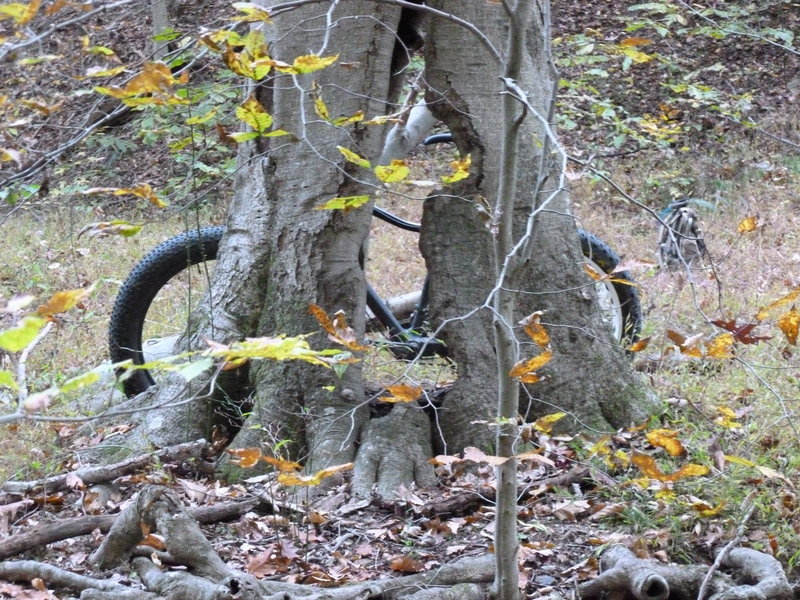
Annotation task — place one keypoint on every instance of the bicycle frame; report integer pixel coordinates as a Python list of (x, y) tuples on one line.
[(406, 340)]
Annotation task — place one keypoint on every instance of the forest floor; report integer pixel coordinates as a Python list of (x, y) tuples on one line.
[(736, 416)]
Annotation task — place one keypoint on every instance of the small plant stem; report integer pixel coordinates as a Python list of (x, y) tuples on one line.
[(22, 362), (505, 537)]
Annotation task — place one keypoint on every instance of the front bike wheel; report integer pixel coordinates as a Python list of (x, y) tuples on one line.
[(153, 306), (618, 295)]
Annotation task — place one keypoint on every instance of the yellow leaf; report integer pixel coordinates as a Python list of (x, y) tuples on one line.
[(63, 301), (402, 393), (246, 458), (308, 63), (667, 439), (284, 466), (254, 114), (739, 460), (649, 467), (354, 158), (21, 13), (634, 41), (45, 109), (789, 324), (397, 171), (252, 13), (315, 479), (788, 298), (199, 120), (639, 345), (545, 423), (727, 418), (321, 109), (636, 56), (7, 380), (18, 337), (102, 72), (355, 118), (460, 170), (706, 510), (524, 370), (535, 330), (748, 224), (142, 191), (271, 348), (344, 203), (720, 346), (154, 85)]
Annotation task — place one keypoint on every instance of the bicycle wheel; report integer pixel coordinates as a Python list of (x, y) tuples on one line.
[(618, 295), (153, 306)]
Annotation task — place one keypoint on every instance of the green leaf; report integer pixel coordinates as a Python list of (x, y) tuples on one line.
[(17, 338), (199, 120), (167, 35), (195, 368), (81, 381), (244, 136), (253, 113), (7, 380)]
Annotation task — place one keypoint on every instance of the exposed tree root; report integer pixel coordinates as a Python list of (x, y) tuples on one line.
[(757, 576), (158, 509), (42, 535), (192, 451)]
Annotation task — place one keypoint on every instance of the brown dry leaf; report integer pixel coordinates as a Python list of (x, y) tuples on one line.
[(246, 458), (639, 345), (748, 224), (787, 299), (406, 564), (535, 456), (337, 329), (741, 331), (608, 510), (154, 541), (789, 324), (535, 330), (479, 456), (687, 346), (402, 393), (667, 439)]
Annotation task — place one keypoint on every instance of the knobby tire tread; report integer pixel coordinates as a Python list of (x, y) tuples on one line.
[(149, 275)]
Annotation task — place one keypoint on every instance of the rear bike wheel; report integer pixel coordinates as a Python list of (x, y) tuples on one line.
[(153, 307)]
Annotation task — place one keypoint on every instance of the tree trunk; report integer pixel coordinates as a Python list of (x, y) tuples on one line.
[(589, 375)]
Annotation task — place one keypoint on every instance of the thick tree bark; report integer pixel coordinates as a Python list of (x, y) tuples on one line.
[(314, 254), (589, 375)]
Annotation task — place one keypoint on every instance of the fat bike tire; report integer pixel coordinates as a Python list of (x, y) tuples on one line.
[(139, 290)]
